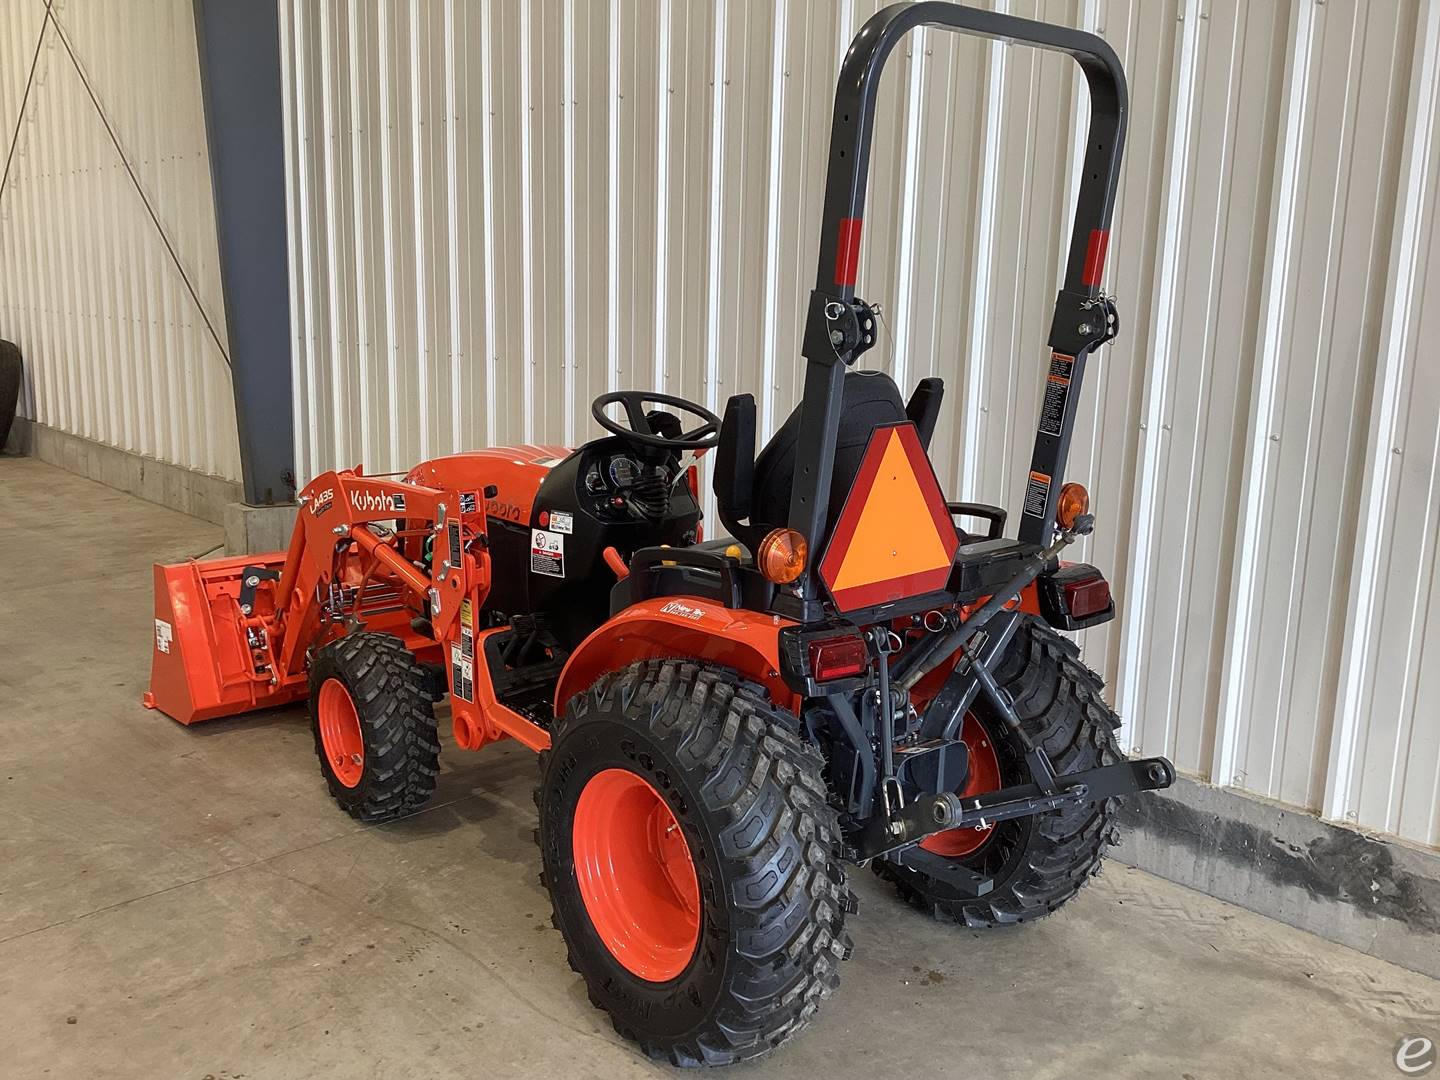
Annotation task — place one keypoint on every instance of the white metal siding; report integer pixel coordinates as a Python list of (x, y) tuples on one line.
[(115, 344), (501, 209)]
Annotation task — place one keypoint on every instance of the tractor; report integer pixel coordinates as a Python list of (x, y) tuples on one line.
[(849, 676)]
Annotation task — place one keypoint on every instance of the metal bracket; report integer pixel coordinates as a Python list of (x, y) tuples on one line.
[(1083, 322), (250, 579), (948, 871), (1104, 310), (850, 326)]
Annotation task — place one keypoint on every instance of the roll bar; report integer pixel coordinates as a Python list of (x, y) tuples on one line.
[(828, 343)]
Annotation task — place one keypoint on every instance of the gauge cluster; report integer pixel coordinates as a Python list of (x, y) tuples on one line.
[(609, 480)]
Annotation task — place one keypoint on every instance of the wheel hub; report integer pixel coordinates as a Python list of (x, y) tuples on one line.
[(984, 776), (636, 875), (340, 733)]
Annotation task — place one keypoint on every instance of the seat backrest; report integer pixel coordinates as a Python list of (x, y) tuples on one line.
[(869, 399), (735, 469)]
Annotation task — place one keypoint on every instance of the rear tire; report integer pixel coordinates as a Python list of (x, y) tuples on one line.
[(1037, 863), (749, 799), (369, 700)]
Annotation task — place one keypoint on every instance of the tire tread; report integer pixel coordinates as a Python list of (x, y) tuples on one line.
[(758, 780), (389, 688), (1059, 700)]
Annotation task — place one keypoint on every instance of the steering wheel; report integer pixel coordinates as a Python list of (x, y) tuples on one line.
[(640, 431)]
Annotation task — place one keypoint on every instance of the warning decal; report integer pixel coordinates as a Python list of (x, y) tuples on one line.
[(452, 534), (1037, 494), (164, 634), (562, 521), (462, 673), (1057, 393), (547, 553), (466, 671), (467, 502)]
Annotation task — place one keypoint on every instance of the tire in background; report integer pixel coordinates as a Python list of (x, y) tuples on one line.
[(748, 796), (10, 372), (370, 703), (1037, 863)]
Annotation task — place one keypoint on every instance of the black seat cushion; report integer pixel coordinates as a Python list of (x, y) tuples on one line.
[(869, 399)]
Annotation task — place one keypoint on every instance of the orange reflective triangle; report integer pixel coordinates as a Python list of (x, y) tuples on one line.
[(895, 537)]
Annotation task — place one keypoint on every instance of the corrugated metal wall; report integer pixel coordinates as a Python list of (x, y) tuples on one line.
[(502, 209), (109, 276), (506, 208)]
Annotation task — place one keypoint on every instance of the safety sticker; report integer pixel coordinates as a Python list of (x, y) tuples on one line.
[(452, 536), (164, 634), (562, 522), (1057, 394), (547, 553), (1037, 494), (397, 501), (467, 502), (466, 681), (462, 673)]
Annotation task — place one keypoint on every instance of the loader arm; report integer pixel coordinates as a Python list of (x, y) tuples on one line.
[(366, 553)]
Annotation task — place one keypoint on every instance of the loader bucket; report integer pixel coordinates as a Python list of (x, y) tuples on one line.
[(201, 665)]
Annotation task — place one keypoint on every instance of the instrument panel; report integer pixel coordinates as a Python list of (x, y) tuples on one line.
[(608, 478)]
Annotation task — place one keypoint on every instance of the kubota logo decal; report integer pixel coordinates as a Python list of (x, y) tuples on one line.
[(370, 502), (499, 508)]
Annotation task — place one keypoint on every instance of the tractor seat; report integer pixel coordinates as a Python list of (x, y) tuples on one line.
[(758, 488)]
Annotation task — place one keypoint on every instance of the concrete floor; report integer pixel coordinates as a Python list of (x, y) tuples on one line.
[(188, 903)]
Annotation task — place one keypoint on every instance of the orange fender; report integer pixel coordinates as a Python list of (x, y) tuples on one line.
[(681, 627)]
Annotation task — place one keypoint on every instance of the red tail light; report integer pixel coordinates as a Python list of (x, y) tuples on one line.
[(838, 658), (1087, 597)]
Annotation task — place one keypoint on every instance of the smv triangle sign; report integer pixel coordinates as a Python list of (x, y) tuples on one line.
[(895, 537)]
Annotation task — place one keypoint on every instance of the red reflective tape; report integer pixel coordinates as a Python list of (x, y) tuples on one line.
[(1095, 256), (847, 253)]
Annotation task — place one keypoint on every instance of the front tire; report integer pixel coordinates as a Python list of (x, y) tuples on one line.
[(1037, 863), (693, 862), (374, 726)]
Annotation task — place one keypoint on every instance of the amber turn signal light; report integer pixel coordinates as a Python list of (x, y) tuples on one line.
[(781, 556), (1074, 502)]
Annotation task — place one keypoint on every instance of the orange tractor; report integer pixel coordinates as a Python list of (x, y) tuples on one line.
[(847, 677)]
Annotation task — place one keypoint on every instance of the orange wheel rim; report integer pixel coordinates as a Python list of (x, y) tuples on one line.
[(636, 875), (984, 776), (340, 736)]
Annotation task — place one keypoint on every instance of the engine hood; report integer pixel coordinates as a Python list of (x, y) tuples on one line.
[(515, 472)]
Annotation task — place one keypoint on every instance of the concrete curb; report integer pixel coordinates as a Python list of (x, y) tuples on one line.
[(1374, 894), (250, 530), (197, 494)]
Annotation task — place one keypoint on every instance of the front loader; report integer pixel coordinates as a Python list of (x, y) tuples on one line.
[(847, 676)]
